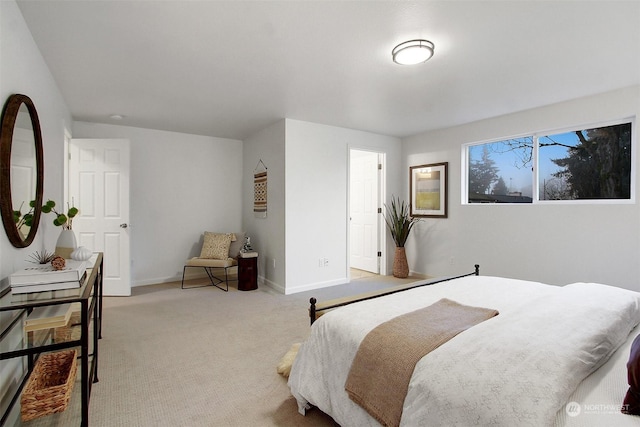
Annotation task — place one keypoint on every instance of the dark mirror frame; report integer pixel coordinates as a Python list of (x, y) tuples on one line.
[(9, 115)]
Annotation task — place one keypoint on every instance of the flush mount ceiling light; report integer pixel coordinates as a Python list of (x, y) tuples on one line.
[(412, 52), (116, 117)]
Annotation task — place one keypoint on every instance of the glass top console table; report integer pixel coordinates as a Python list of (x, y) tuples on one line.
[(15, 308)]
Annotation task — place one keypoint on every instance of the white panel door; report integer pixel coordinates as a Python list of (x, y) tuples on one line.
[(363, 212), (99, 187)]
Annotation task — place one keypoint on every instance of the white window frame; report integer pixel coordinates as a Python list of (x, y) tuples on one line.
[(535, 174)]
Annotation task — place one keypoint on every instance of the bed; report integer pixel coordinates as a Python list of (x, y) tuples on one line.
[(554, 355)]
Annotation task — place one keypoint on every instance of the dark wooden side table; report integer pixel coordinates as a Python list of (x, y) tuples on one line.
[(247, 273)]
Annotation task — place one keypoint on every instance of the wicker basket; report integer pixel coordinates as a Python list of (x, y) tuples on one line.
[(70, 331), (50, 385)]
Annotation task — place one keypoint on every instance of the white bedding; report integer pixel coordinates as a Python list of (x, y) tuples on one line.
[(518, 368)]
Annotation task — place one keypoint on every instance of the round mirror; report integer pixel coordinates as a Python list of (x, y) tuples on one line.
[(21, 170)]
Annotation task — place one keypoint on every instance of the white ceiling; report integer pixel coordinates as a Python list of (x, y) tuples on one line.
[(230, 68)]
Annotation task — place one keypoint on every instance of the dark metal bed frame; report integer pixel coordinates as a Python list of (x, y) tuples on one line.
[(314, 311)]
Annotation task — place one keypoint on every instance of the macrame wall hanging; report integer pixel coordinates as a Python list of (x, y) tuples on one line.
[(260, 190)]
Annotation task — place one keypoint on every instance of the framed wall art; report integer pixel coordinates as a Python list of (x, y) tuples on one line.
[(428, 188)]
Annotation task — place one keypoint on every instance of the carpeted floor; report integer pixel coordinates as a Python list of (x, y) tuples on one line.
[(201, 357)]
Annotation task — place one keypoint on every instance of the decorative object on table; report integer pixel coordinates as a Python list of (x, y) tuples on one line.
[(58, 263), (45, 278), (247, 245), (67, 240), (260, 190), (81, 254), (247, 251), (43, 257), (428, 189), (49, 387), (400, 224)]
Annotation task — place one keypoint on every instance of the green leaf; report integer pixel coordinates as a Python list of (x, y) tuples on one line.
[(399, 221), (46, 209), (60, 220), (72, 212)]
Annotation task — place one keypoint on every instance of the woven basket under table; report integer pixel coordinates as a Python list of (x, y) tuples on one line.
[(49, 387)]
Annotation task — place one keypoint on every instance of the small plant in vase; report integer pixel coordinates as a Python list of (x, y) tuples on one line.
[(67, 241)]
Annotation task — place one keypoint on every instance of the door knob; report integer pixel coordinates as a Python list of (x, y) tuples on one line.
[(124, 225)]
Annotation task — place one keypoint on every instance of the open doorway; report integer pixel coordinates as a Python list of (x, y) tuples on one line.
[(365, 211)]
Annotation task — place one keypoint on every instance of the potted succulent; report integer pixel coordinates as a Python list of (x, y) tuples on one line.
[(400, 223)]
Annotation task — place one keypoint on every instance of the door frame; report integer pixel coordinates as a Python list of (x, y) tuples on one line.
[(381, 189)]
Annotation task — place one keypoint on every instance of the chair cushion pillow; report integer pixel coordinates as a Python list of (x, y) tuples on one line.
[(236, 244), (216, 245), (211, 263)]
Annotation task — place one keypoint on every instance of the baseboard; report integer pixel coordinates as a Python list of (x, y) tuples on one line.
[(317, 285), (190, 274)]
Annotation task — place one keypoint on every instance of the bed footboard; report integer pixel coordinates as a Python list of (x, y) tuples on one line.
[(318, 309)]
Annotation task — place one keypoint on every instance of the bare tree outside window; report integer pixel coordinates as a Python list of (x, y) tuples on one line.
[(591, 163), (587, 164)]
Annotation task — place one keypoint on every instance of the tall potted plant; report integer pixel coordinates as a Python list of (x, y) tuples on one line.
[(400, 223)]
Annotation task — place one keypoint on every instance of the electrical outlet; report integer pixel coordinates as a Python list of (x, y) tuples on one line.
[(274, 263), (320, 262)]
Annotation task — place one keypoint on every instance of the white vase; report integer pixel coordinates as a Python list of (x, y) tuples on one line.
[(66, 243)]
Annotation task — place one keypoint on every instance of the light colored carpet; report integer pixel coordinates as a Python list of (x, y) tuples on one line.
[(201, 357)]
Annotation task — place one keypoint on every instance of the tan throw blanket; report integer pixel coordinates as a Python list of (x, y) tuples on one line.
[(383, 366)]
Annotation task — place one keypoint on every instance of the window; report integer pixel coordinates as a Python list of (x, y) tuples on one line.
[(578, 165)]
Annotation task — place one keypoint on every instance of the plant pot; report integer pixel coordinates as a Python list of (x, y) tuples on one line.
[(400, 265), (66, 244)]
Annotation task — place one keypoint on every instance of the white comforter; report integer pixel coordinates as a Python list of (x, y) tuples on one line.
[(518, 368)]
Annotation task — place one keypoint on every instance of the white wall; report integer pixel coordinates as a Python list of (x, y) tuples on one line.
[(316, 189), (23, 70), (267, 233), (555, 244), (180, 186)]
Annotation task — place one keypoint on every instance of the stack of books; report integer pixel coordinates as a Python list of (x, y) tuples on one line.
[(44, 278), (50, 316), (249, 254)]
